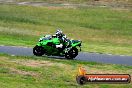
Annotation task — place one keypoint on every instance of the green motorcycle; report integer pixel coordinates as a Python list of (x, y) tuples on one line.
[(47, 46)]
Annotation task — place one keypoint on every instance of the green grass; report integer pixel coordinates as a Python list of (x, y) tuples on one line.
[(103, 30), (40, 72), (74, 1)]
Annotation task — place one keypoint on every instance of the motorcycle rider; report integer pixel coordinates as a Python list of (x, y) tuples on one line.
[(63, 39)]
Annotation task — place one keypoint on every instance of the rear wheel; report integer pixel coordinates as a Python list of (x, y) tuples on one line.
[(71, 53), (38, 50)]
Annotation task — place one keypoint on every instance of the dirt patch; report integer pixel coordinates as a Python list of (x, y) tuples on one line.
[(33, 63), (54, 8), (36, 63), (3, 58), (6, 0), (16, 71)]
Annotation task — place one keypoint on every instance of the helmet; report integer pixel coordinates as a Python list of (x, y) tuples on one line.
[(59, 33)]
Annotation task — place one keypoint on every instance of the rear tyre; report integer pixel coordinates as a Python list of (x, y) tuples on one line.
[(71, 53), (38, 50)]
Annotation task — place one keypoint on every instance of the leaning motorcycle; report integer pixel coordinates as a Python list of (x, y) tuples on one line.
[(47, 46)]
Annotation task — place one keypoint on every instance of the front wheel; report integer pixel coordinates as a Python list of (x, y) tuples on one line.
[(72, 53), (38, 51)]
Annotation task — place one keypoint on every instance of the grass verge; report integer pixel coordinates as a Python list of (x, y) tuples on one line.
[(39, 72)]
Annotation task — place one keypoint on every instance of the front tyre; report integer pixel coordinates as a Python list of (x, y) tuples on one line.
[(38, 50), (72, 53)]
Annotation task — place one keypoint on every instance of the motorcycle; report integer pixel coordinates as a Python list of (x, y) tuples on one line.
[(47, 46)]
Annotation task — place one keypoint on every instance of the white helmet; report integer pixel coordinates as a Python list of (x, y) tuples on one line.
[(59, 33)]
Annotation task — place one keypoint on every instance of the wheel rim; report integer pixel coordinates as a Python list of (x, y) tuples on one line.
[(73, 52)]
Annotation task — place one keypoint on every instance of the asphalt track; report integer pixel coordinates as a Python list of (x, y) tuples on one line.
[(84, 56)]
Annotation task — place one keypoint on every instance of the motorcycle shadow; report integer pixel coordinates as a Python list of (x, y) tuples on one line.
[(57, 57)]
